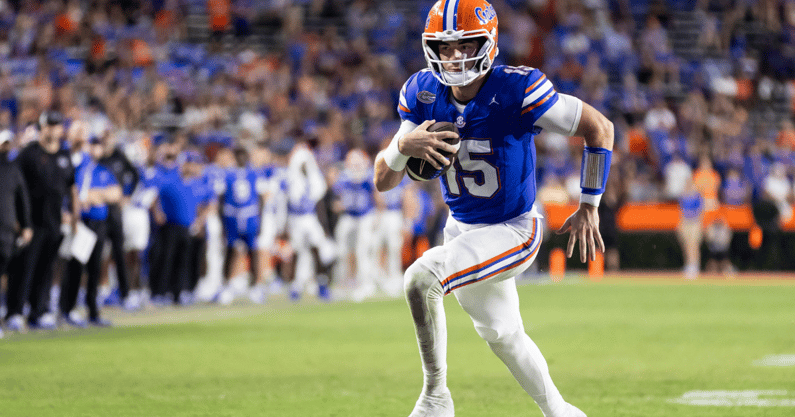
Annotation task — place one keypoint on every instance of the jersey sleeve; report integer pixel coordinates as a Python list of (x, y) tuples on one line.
[(538, 96), (407, 103)]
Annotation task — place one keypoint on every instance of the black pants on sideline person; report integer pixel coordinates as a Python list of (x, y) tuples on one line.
[(196, 267), (7, 245), (116, 237), (93, 268), (30, 274), (170, 267)]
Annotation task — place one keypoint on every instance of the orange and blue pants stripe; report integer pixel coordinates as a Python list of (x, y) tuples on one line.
[(505, 261)]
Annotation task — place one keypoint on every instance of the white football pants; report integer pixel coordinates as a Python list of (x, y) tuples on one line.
[(389, 235), (306, 232), (355, 234), (477, 263)]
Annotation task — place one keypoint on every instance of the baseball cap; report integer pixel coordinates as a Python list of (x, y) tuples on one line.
[(94, 140), (50, 118)]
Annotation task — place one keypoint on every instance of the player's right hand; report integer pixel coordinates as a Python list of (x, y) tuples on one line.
[(420, 143)]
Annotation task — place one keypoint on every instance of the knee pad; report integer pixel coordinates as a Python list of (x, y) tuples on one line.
[(499, 333), (419, 281)]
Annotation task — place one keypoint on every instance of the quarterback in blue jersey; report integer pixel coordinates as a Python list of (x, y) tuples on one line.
[(493, 232)]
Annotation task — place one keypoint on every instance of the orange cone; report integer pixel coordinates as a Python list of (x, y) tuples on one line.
[(557, 264), (596, 268)]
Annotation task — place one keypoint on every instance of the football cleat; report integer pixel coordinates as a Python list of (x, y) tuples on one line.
[(46, 322), (73, 319), (16, 323), (99, 322), (436, 405)]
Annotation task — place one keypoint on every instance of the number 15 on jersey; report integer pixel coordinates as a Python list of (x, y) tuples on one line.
[(477, 176)]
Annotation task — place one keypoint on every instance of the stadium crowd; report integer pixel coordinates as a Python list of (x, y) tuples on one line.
[(180, 130)]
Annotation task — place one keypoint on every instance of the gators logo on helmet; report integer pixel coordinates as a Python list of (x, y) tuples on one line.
[(457, 20)]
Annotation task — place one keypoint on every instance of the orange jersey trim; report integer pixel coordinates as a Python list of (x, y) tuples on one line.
[(538, 103), (540, 80)]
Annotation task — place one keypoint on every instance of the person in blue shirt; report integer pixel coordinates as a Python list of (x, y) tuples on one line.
[(493, 232), (354, 230), (201, 187), (97, 188), (241, 207), (178, 213)]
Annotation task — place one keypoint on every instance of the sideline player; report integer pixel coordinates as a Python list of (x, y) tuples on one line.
[(354, 230), (242, 199), (493, 232)]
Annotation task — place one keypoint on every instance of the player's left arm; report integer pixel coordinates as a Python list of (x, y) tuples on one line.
[(573, 117)]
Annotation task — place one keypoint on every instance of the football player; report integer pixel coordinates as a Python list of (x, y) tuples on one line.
[(306, 186), (493, 232), (354, 229), (242, 206), (389, 236)]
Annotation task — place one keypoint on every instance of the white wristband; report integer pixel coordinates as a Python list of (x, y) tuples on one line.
[(592, 199), (395, 160)]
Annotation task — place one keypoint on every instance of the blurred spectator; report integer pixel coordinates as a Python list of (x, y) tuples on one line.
[(677, 175), (735, 189), (689, 231), (612, 200), (786, 135), (778, 188), (767, 216), (660, 117), (707, 182), (718, 237)]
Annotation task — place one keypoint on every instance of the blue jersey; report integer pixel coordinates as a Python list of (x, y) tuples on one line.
[(201, 189), (355, 195), (691, 205), (216, 176), (178, 201), (241, 194), (393, 199), (90, 175), (147, 188), (493, 179)]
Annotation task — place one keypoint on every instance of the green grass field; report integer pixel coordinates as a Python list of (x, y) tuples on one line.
[(617, 348)]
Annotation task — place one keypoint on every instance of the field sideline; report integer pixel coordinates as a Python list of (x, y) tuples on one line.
[(627, 346)]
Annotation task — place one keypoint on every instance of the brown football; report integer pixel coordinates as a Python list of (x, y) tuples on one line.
[(419, 169)]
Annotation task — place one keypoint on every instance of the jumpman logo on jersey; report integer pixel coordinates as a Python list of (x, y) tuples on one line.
[(494, 100)]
